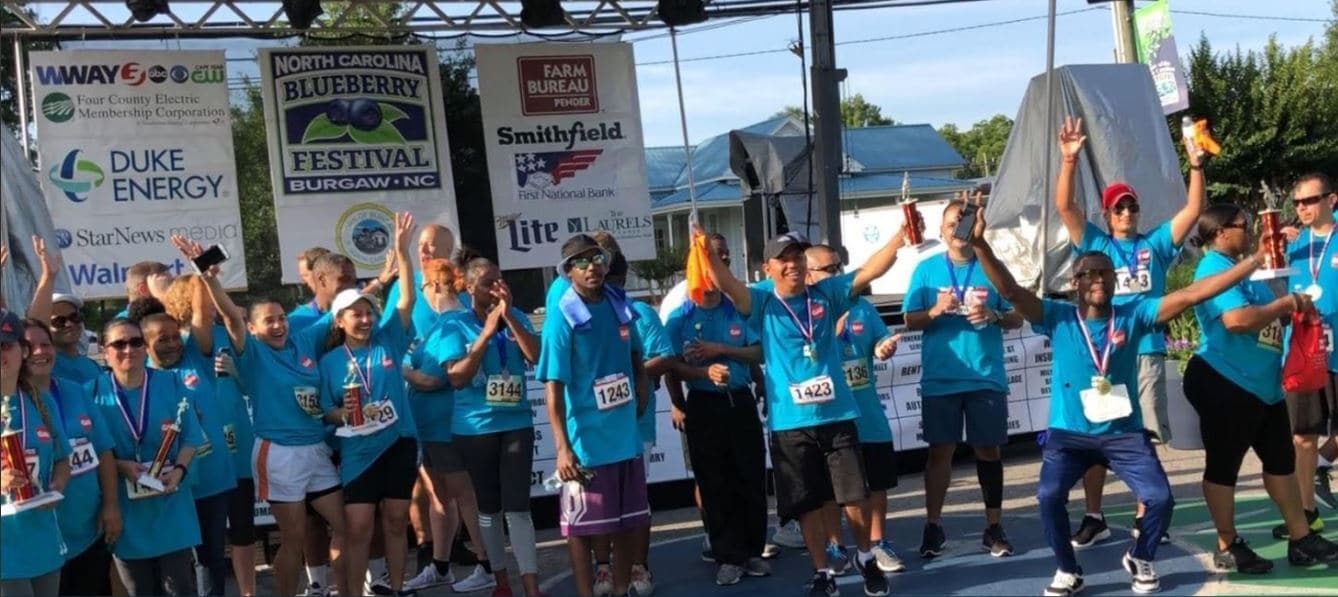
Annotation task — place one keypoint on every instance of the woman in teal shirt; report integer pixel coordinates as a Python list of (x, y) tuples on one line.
[(153, 553), (33, 567), (90, 518), (1234, 382)]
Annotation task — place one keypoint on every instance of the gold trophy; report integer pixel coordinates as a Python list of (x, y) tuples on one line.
[(12, 457), (150, 477)]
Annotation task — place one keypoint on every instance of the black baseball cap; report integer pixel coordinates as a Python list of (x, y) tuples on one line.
[(779, 243)]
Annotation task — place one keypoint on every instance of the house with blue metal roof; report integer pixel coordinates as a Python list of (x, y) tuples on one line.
[(877, 159)]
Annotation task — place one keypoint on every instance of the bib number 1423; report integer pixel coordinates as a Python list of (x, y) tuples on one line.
[(813, 391)]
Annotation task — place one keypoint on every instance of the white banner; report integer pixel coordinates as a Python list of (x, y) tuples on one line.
[(355, 134), (135, 146), (562, 124)]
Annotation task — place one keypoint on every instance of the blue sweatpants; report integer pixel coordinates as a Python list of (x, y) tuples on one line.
[(1131, 456)]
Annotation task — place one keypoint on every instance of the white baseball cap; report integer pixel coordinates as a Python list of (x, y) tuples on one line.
[(346, 298), (61, 297)]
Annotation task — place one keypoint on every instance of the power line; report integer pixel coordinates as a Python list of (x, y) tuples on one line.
[(1222, 15)]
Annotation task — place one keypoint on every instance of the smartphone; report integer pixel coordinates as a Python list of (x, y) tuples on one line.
[(966, 223), (212, 256)]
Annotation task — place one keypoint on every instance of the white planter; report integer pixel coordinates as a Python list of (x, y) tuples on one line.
[(1184, 421)]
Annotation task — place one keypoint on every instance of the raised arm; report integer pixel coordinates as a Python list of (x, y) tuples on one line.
[(878, 263), (41, 306), (1175, 303), (724, 279), (1023, 301), (1195, 200), (234, 317), (403, 236), (1071, 140)]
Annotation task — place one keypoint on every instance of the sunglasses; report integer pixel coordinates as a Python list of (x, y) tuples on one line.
[(1094, 274), (599, 259), (1125, 205), (832, 269), (60, 321), (127, 344), (1309, 201)]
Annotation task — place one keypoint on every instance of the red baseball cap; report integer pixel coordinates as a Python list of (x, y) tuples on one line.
[(1114, 192)]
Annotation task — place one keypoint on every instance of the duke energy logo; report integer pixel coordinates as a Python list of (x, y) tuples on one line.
[(355, 120), (57, 107), (76, 176), (363, 233)]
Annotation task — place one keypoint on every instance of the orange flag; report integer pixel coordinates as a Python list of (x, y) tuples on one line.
[(1204, 139), (698, 269)]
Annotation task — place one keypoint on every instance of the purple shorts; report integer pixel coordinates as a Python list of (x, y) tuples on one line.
[(615, 500)]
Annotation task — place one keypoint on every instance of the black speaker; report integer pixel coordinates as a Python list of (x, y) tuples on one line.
[(145, 10), (302, 13), (681, 12), (536, 14)]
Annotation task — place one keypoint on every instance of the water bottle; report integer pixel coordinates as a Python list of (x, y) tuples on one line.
[(1188, 132), (553, 483)]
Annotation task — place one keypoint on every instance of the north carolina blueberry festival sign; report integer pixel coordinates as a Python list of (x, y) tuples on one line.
[(565, 153), (135, 146), (355, 134)]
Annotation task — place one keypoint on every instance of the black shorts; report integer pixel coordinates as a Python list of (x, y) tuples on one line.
[(242, 513), (880, 465), (1315, 413), (442, 457), (316, 495), (1233, 421), (815, 465), (390, 477)]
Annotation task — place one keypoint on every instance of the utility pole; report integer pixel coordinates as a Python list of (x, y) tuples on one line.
[(1122, 20), (827, 149)]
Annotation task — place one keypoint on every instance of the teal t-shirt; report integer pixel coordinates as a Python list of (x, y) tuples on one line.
[(432, 411), (88, 435), (863, 331), (213, 469), (654, 343), (33, 542), (78, 369), (503, 367), (961, 358), (1141, 265), (720, 324), (1251, 360), (1314, 259), (285, 386)]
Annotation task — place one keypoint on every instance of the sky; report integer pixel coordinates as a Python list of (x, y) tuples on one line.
[(945, 64)]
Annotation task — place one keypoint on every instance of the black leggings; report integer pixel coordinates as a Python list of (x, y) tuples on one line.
[(1232, 421), (499, 465)]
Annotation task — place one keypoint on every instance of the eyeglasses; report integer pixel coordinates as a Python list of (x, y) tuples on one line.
[(60, 321), (832, 269), (127, 344), (1309, 201), (1125, 205), (599, 259), (1094, 274)]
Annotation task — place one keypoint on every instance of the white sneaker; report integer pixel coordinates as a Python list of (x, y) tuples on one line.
[(316, 590), (603, 581), (789, 535), (379, 586), (477, 580), (642, 581), (1065, 584), (1143, 578), (429, 578)]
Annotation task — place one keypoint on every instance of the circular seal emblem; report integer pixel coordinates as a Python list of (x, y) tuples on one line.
[(179, 73), (157, 73), (871, 233), (64, 238), (363, 233), (57, 107)]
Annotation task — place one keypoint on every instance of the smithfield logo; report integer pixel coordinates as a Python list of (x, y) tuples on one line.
[(76, 177), (536, 173), (363, 233), (57, 107), (64, 238), (129, 73), (557, 85)]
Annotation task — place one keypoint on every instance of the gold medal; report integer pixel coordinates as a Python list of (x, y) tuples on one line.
[(1101, 385)]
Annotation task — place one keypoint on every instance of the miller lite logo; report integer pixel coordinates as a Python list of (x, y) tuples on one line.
[(307, 363), (42, 433), (623, 333), (735, 331), (86, 423), (817, 310)]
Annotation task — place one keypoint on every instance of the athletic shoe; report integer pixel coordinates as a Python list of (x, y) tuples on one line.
[(316, 590), (788, 535), (996, 542), (1323, 491), (379, 586), (1311, 517), (887, 558), (1138, 530), (1092, 531), (477, 580), (642, 580), (770, 551), (838, 561), (757, 567), (821, 585), (875, 582), (1064, 584), (933, 542), (728, 574), (603, 580), (1143, 577), (1239, 557), (429, 577), (1312, 549), (707, 554)]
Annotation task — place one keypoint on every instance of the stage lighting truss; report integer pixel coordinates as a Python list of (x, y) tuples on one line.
[(223, 18)]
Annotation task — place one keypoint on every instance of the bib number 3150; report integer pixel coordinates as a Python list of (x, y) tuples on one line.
[(612, 391), (813, 391)]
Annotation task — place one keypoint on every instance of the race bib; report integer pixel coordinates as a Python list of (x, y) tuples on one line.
[(83, 457), (503, 390), (31, 461), (205, 449), (1099, 407), (857, 373), (1326, 341), (1271, 336), (379, 416), (612, 391), (230, 438), (309, 400), (814, 391), (1138, 283)]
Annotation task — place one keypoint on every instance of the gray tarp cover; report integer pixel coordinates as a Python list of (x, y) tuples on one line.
[(25, 214), (1127, 140), (780, 164)]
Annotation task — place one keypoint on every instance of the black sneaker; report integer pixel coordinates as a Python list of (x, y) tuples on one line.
[(1064, 584), (1239, 557), (1138, 530), (1311, 518), (875, 582), (822, 585), (996, 542), (933, 542), (1092, 531), (1312, 549), (1323, 491)]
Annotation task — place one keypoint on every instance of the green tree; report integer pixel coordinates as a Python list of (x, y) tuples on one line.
[(982, 145), (855, 112), (9, 80)]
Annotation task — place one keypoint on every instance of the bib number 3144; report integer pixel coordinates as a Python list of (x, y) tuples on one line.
[(612, 391), (813, 391)]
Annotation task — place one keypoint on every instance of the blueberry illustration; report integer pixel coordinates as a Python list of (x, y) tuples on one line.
[(364, 114), (337, 111)]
